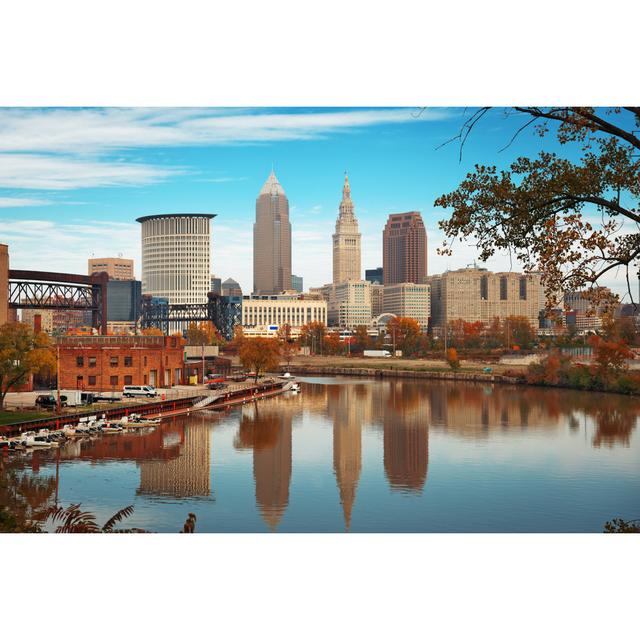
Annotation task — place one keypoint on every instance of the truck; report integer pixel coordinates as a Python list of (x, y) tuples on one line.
[(76, 398), (376, 353)]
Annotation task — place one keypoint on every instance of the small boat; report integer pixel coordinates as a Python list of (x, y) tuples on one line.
[(112, 427), (286, 376), (295, 388), (30, 439), (69, 430)]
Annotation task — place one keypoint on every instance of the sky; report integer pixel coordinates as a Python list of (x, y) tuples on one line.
[(73, 180)]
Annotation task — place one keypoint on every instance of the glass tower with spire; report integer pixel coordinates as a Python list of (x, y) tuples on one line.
[(346, 240)]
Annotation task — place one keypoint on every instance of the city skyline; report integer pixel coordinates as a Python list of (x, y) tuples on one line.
[(67, 176)]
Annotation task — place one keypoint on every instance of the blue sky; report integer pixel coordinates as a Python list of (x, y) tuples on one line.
[(72, 181)]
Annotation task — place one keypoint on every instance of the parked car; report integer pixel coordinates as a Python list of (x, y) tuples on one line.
[(50, 401), (217, 385), (131, 391)]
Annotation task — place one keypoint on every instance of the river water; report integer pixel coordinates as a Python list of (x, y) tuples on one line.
[(361, 455)]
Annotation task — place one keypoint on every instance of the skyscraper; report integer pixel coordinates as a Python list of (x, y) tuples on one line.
[(404, 249), (271, 240), (346, 240), (117, 268), (176, 256)]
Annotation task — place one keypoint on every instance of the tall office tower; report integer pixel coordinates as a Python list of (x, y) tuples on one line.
[(374, 276), (176, 256), (297, 283), (271, 240), (346, 240), (216, 285), (404, 249), (117, 268)]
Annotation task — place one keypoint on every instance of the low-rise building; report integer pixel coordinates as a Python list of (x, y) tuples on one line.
[(408, 300), (264, 314), (107, 363), (480, 295)]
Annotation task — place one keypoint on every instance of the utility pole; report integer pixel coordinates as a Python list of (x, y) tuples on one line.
[(58, 376), (202, 348)]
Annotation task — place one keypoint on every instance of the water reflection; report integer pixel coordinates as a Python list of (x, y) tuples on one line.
[(364, 433), (266, 429)]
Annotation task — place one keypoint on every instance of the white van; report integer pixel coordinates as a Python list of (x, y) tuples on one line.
[(131, 391)]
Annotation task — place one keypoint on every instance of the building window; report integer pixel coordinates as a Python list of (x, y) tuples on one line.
[(128, 380), (79, 382), (113, 361), (523, 288), (92, 381), (128, 361), (145, 361), (79, 361), (503, 288), (113, 381), (484, 288), (92, 361)]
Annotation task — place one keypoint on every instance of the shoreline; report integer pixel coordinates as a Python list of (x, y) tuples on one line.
[(462, 376)]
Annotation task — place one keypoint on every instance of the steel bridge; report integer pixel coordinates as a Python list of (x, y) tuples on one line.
[(60, 291), (225, 312)]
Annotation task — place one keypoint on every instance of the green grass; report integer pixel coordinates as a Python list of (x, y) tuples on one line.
[(11, 417)]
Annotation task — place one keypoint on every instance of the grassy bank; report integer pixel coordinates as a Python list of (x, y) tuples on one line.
[(11, 417)]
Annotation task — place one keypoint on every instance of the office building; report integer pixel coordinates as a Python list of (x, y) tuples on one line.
[(404, 249), (216, 285), (176, 256), (408, 300), (231, 288), (377, 299), (346, 240), (479, 295), (265, 314), (374, 276), (271, 240), (297, 283), (348, 303), (117, 268), (582, 313)]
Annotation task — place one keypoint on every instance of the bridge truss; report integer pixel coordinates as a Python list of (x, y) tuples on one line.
[(60, 291)]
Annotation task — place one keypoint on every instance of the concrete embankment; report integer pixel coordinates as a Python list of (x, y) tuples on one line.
[(466, 376)]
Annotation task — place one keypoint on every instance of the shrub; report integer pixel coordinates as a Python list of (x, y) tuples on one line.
[(452, 358)]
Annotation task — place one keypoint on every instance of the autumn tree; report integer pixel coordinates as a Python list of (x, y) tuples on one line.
[(610, 357), (259, 354), (519, 332), (405, 333), (22, 352), (574, 221), (203, 333), (362, 340), (452, 358), (332, 343), (287, 344), (312, 335)]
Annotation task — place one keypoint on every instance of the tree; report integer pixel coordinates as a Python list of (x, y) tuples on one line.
[(362, 340), (312, 335), (494, 334), (563, 218), (198, 334), (287, 344), (332, 343), (519, 332), (22, 352), (259, 354), (405, 332), (610, 357), (452, 358)]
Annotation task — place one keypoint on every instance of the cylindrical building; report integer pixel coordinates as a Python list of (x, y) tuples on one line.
[(176, 256)]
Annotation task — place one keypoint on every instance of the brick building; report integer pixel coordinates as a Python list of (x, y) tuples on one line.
[(107, 363)]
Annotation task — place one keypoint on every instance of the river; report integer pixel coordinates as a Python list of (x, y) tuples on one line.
[(360, 455)]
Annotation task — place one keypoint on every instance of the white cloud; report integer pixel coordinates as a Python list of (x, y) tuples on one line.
[(93, 131), (22, 202), (29, 171)]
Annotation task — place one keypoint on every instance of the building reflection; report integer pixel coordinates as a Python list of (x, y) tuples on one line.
[(186, 475), (348, 406), (405, 426), (266, 429)]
